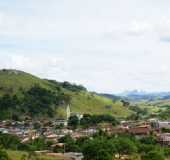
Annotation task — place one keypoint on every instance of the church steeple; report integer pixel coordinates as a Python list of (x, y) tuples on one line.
[(68, 111)]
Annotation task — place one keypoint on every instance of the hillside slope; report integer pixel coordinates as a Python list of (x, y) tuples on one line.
[(15, 82)]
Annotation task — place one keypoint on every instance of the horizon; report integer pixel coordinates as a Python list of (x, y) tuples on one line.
[(113, 93), (107, 46)]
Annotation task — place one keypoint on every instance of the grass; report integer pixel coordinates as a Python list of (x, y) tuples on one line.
[(85, 102), (11, 81), (17, 155), (153, 106)]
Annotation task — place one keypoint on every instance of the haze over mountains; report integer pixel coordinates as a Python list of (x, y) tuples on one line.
[(139, 95)]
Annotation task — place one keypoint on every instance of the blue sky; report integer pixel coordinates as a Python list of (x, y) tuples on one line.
[(108, 46)]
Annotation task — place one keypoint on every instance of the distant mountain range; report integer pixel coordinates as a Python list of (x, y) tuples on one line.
[(142, 95)]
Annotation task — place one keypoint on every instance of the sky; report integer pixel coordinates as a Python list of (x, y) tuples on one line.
[(106, 45)]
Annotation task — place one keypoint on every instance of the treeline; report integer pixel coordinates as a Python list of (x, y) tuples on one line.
[(67, 85), (98, 147), (35, 101), (91, 120), (138, 113), (12, 142), (164, 114), (123, 146)]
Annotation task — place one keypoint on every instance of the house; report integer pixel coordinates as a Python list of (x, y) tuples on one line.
[(140, 130), (156, 124), (106, 127), (119, 129), (164, 138), (61, 122), (78, 115), (3, 130), (89, 131), (64, 131), (164, 124)]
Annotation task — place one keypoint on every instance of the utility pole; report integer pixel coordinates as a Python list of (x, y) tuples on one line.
[(64, 148)]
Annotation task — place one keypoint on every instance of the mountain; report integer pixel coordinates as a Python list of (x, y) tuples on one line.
[(136, 95), (23, 94)]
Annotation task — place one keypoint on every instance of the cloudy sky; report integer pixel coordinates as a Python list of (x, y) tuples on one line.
[(106, 45)]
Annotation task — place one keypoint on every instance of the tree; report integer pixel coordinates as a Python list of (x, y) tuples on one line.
[(9, 141), (89, 120), (70, 144), (98, 149), (3, 155), (124, 145), (167, 151), (148, 140), (153, 155), (73, 121), (38, 144), (73, 87), (86, 121), (104, 155), (39, 100)]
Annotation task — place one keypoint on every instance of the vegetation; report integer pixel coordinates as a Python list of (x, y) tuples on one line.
[(3, 155), (98, 147), (73, 121), (35, 101), (22, 93), (8, 141), (22, 155), (19, 151), (90, 103), (104, 147), (91, 120), (165, 114), (29, 96)]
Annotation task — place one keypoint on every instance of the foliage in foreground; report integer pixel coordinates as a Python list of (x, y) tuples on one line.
[(104, 147), (98, 147)]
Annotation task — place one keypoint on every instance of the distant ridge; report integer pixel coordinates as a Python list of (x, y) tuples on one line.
[(143, 95)]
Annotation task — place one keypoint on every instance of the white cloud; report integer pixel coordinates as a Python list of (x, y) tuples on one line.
[(107, 46)]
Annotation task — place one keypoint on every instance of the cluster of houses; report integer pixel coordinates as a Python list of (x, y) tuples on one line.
[(52, 130), (26, 130)]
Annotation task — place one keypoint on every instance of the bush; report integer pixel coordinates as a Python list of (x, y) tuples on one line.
[(3, 155), (153, 155)]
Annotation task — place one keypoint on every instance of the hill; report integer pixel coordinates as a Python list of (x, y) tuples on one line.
[(111, 96), (24, 94)]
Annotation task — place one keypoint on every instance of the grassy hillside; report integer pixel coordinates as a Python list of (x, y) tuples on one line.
[(154, 106), (13, 81), (86, 102), (16, 82)]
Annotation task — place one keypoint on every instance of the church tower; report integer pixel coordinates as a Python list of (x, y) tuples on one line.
[(68, 111)]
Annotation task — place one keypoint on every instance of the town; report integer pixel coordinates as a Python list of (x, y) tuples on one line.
[(55, 129)]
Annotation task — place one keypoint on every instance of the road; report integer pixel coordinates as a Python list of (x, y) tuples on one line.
[(74, 156)]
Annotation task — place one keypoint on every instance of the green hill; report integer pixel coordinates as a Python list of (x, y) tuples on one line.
[(47, 96)]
